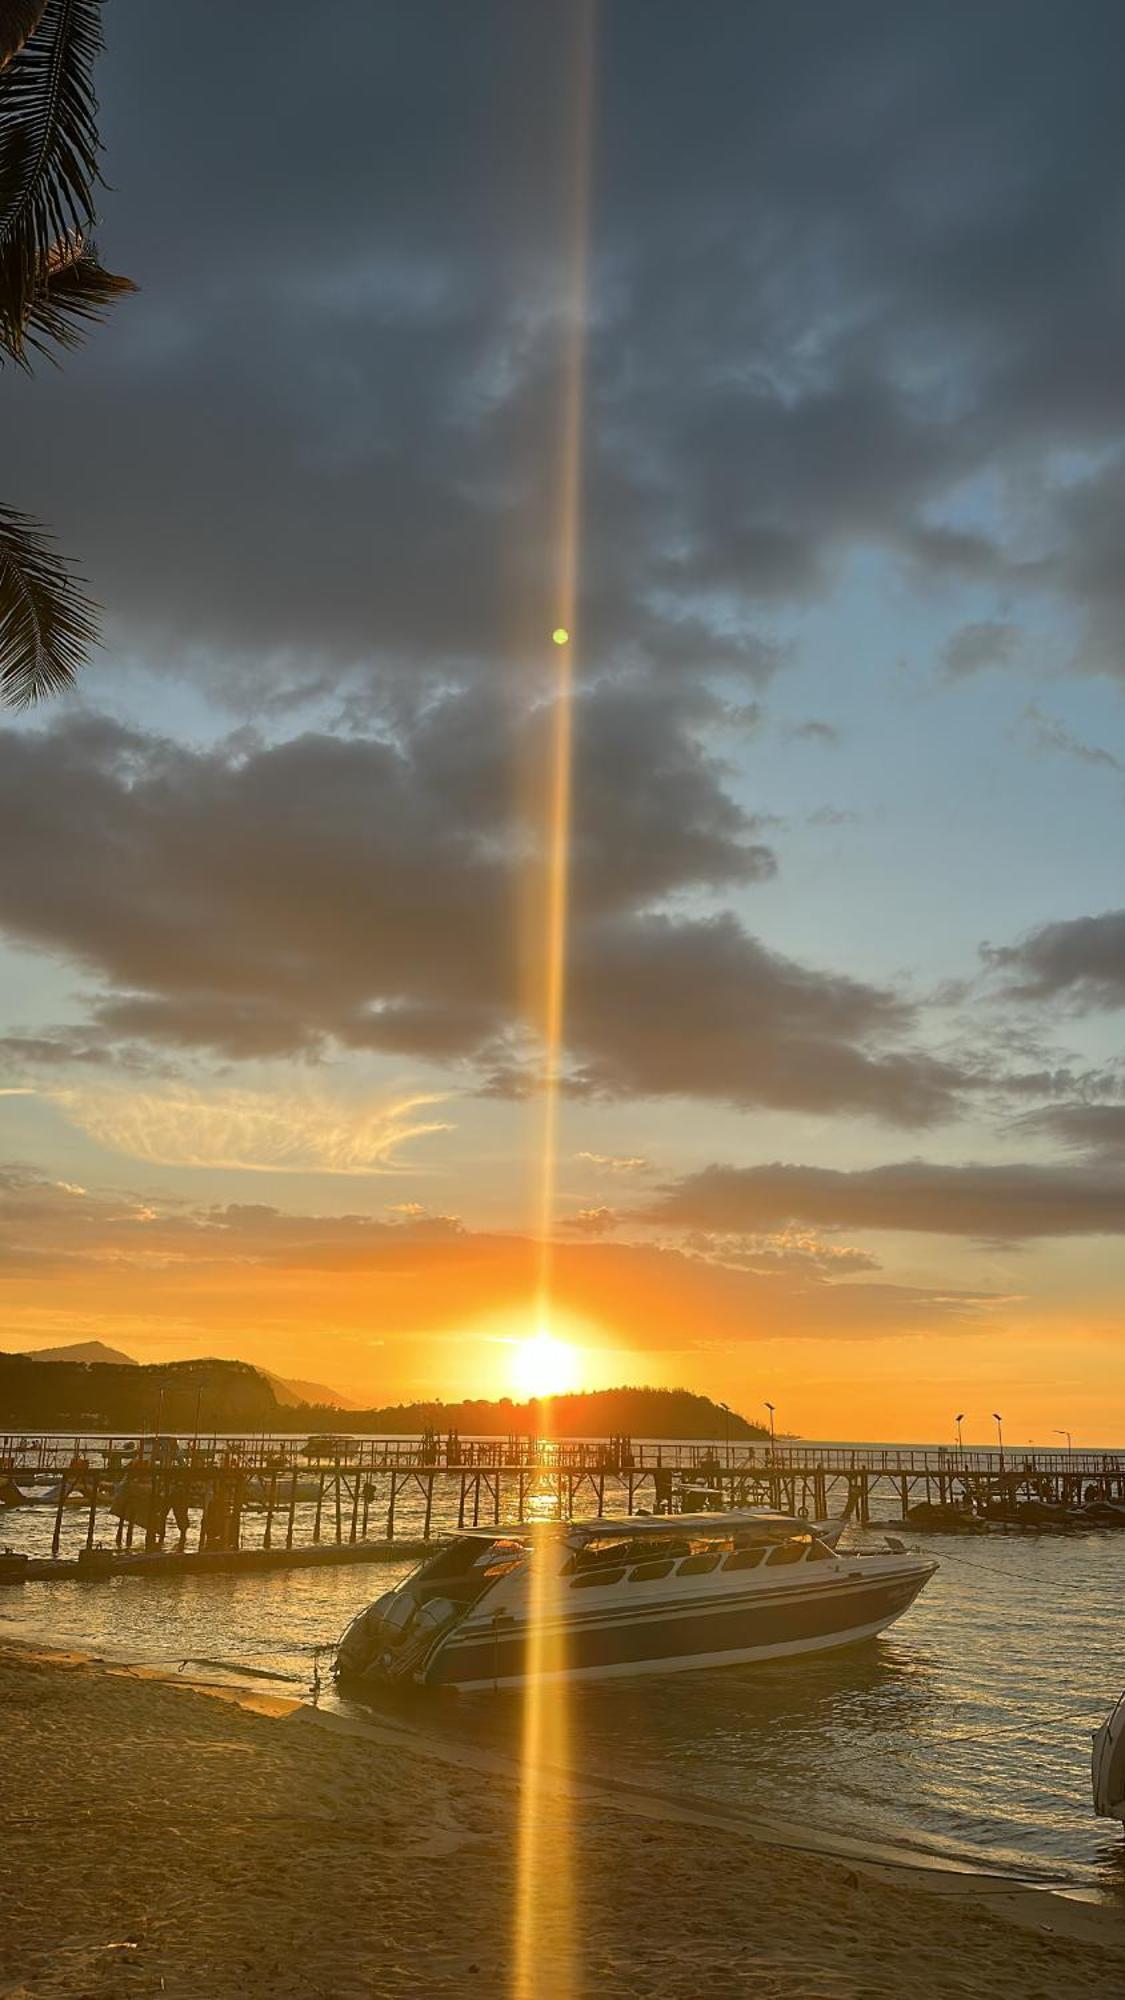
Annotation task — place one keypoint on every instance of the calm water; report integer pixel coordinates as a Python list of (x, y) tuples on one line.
[(965, 1730)]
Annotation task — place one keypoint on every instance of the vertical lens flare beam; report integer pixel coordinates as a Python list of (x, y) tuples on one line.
[(544, 1959)]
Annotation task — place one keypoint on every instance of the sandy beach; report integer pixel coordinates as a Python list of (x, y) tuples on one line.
[(158, 1840)]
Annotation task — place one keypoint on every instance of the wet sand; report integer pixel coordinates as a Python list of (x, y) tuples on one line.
[(159, 1841)]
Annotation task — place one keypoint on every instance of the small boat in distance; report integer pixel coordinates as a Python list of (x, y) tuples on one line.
[(646, 1594)]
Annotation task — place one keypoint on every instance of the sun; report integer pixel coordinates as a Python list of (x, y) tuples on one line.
[(544, 1366)]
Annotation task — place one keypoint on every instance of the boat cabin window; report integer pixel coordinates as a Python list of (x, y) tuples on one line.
[(590, 1577), (745, 1559), (648, 1572), (698, 1565), (498, 1559), (606, 1554), (792, 1551)]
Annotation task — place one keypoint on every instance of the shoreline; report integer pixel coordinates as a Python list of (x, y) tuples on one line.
[(229, 1749)]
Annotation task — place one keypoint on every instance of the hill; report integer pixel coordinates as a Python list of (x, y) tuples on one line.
[(232, 1396), (82, 1350), (296, 1394), (131, 1396), (593, 1413)]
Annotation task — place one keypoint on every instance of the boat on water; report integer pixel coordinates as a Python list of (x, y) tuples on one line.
[(598, 1600), (1107, 1765)]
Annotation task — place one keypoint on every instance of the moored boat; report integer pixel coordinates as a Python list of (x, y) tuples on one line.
[(595, 1600), (1107, 1765)]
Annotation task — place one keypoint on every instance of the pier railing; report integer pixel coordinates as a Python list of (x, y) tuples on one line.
[(51, 1453), (266, 1500)]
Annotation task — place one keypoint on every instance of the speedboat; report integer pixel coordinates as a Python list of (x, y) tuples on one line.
[(597, 1600)]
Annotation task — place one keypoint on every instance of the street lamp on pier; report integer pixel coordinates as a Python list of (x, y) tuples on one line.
[(773, 1433), (959, 1420), (1000, 1435), (1066, 1435)]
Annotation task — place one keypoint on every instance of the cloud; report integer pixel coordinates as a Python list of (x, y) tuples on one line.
[(987, 1203), (1081, 959), (790, 1251), (616, 1163), (364, 893), (592, 1221), (986, 644), (1097, 1129), (831, 288), (815, 731), (207, 1274), (282, 1132), (1048, 733), (695, 1007)]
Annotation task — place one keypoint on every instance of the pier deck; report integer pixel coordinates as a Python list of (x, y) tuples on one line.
[(259, 1502)]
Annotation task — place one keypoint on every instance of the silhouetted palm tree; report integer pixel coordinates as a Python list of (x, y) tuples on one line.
[(51, 288)]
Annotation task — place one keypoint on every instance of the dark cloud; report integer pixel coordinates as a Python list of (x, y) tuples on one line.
[(844, 262), (1098, 1129), (695, 1007), (1081, 959), (989, 1203), (988, 643), (365, 891)]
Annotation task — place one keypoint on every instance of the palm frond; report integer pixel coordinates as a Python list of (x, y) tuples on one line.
[(18, 22), (76, 293), (47, 622), (48, 153)]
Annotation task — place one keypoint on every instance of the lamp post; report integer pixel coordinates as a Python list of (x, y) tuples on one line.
[(773, 1433), (725, 1408), (959, 1420), (1066, 1435), (1000, 1436)]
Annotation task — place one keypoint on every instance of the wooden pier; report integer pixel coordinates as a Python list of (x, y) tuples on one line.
[(265, 1501)]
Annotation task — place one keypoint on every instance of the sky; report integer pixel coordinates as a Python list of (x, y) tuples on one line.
[(842, 1102)]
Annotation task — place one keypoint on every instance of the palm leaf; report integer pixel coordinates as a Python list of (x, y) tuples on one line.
[(18, 20), (47, 622), (75, 294), (48, 153)]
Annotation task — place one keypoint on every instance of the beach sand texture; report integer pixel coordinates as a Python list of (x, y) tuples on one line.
[(159, 1841)]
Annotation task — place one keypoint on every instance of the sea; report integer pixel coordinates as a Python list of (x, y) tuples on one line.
[(962, 1733)]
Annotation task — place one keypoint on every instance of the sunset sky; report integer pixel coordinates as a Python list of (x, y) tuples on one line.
[(843, 1110)]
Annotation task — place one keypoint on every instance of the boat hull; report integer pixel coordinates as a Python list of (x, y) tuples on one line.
[(670, 1637)]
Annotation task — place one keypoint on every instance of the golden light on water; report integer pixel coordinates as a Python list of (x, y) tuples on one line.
[(543, 1956)]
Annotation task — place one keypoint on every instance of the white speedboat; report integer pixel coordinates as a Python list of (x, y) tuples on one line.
[(1107, 1765), (594, 1600)]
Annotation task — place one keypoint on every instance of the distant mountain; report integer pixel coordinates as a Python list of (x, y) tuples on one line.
[(293, 1393), (130, 1396), (82, 1350)]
